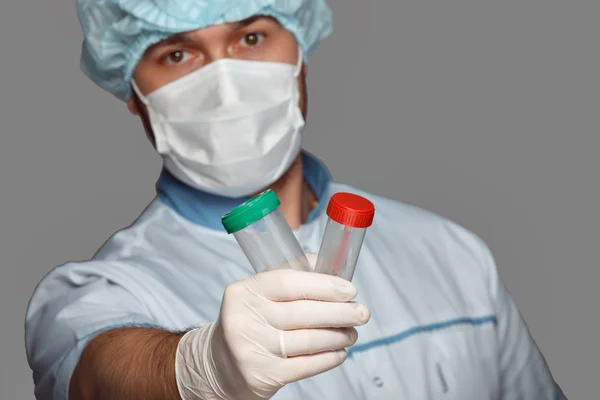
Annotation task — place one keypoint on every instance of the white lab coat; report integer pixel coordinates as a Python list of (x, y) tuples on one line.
[(443, 326)]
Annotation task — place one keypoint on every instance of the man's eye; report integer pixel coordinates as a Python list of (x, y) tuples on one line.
[(177, 57), (251, 40)]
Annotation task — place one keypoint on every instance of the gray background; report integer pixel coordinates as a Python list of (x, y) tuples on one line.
[(485, 112)]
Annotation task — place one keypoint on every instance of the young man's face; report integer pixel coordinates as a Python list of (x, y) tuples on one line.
[(257, 39)]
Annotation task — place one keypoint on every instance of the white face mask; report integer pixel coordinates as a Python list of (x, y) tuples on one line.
[(230, 128)]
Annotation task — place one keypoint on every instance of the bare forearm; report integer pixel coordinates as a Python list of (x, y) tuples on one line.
[(127, 363)]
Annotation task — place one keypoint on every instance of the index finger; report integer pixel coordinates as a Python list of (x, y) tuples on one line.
[(290, 285)]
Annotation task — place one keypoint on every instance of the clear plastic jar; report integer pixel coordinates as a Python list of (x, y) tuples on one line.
[(349, 217), (264, 235)]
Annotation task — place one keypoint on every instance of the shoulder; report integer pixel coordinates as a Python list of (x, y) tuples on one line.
[(119, 264), (415, 222), (415, 232), (159, 259)]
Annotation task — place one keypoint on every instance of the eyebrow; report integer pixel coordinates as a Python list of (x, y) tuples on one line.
[(187, 37)]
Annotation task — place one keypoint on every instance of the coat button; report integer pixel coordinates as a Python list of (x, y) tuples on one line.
[(378, 381)]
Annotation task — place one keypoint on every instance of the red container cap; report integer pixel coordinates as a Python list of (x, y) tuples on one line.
[(351, 210)]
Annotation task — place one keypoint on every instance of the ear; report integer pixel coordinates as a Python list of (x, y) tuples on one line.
[(132, 106)]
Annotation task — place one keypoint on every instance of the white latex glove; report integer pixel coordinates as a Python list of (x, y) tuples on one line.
[(274, 328)]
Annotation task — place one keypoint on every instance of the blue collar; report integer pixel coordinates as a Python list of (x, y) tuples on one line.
[(206, 209)]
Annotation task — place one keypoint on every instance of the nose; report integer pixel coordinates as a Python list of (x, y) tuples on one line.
[(227, 86), (215, 54)]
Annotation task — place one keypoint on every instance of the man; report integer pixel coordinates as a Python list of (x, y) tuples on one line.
[(168, 307)]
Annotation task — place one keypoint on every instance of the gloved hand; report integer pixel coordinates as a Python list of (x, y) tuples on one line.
[(274, 328)]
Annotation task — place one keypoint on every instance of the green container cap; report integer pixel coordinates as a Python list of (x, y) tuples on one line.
[(250, 211)]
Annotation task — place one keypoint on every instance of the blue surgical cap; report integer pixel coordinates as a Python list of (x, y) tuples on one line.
[(118, 32)]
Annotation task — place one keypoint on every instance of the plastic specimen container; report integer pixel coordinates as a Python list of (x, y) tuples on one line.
[(264, 235), (349, 217)]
